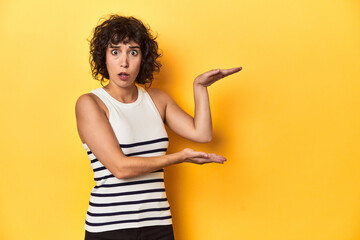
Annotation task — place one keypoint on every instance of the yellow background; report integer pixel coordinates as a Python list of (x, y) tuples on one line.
[(288, 123)]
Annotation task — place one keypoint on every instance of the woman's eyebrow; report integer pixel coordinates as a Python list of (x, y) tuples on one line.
[(134, 47)]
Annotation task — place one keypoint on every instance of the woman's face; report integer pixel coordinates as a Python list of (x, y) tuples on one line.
[(123, 62)]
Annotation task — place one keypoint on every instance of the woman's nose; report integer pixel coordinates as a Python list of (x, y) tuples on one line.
[(124, 61)]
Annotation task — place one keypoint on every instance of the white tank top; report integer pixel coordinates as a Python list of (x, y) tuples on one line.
[(134, 202)]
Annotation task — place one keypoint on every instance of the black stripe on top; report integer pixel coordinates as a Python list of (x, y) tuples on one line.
[(139, 143), (130, 183), (127, 221), (111, 175), (104, 177), (144, 143), (127, 193), (127, 212), (137, 153), (127, 203), (146, 152), (99, 169)]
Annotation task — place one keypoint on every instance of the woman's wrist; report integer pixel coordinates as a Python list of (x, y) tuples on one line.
[(199, 87), (175, 158), (197, 83)]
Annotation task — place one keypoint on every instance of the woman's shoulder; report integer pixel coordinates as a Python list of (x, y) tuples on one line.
[(156, 93), (86, 100), (88, 103)]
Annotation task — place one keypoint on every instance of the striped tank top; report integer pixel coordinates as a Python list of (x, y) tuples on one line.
[(134, 202)]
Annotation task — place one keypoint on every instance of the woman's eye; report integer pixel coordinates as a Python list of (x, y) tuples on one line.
[(133, 52), (114, 52)]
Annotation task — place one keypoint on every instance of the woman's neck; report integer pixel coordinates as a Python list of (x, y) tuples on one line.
[(122, 94)]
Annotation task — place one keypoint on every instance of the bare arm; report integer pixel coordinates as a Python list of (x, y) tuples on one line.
[(199, 127), (95, 130)]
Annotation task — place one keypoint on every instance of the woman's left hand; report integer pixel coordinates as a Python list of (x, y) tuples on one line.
[(208, 78)]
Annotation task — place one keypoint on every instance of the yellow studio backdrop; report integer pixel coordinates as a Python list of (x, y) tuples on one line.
[(288, 122)]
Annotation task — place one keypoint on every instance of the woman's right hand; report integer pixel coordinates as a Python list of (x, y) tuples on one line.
[(192, 156)]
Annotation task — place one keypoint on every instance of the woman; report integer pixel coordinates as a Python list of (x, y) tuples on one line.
[(121, 126)]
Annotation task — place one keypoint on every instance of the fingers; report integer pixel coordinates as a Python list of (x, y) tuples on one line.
[(216, 158), (202, 157), (223, 72), (207, 158), (211, 73), (227, 72)]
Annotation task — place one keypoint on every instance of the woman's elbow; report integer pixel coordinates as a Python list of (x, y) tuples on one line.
[(204, 139), (122, 175), (121, 170)]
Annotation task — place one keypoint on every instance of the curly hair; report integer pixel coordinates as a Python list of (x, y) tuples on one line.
[(117, 29)]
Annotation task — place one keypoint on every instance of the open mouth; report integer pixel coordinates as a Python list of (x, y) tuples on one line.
[(123, 75)]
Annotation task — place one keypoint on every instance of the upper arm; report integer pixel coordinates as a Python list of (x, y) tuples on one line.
[(95, 130), (173, 116)]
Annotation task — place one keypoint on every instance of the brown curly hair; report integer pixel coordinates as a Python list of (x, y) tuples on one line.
[(117, 29)]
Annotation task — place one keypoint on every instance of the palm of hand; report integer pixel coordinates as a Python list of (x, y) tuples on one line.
[(208, 78)]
